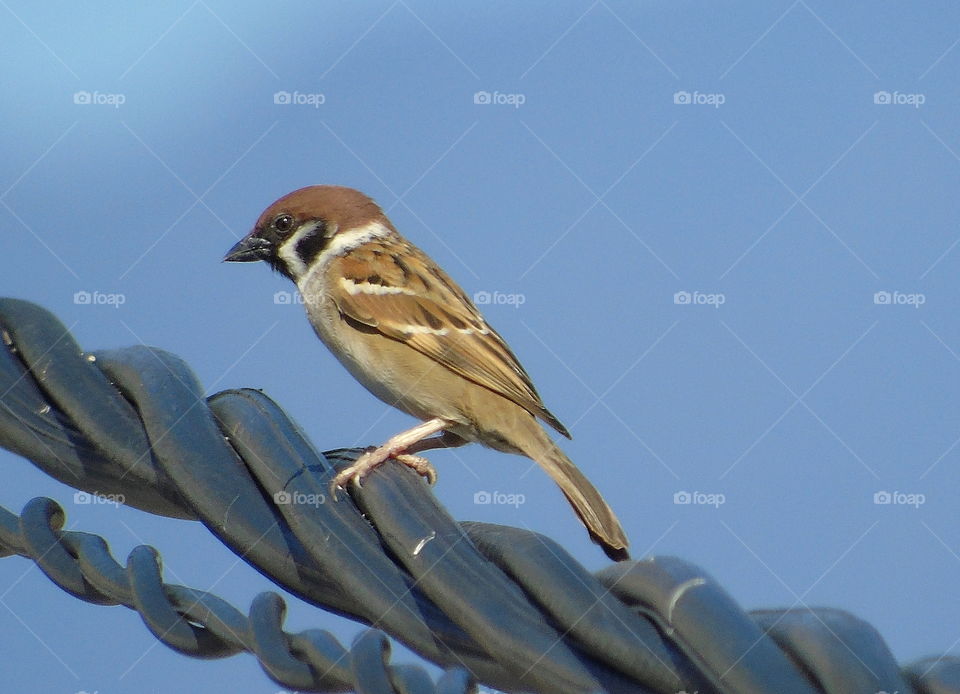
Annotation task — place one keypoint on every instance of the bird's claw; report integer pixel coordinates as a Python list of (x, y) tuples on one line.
[(374, 458), (418, 464)]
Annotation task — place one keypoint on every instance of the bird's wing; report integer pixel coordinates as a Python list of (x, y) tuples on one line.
[(410, 299)]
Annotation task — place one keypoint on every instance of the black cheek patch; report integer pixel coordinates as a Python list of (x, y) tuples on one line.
[(312, 245)]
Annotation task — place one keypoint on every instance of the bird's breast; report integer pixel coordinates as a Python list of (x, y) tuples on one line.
[(390, 369)]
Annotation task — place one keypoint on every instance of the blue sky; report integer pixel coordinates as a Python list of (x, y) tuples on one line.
[(724, 236)]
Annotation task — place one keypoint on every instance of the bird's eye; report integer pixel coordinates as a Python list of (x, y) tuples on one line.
[(283, 223)]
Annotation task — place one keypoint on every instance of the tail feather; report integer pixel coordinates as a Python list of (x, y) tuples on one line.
[(590, 506)]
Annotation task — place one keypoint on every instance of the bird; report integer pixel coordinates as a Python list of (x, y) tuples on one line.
[(407, 332)]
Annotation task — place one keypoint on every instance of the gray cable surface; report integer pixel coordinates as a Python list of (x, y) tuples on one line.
[(491, 604)]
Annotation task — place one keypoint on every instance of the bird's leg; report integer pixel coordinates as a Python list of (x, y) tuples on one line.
[(446, 439), (396, 447)]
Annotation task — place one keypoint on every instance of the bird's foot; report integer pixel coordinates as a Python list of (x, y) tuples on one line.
[(418, 464), (375, 457), (396, 447)]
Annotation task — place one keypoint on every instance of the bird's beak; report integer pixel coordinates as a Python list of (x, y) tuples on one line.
[(248, 249)]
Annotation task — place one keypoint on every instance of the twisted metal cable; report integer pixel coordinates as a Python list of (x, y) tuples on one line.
[(190, 621), (493, 604)]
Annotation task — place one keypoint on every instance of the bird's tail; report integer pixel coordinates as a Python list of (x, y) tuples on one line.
[(596, 515)]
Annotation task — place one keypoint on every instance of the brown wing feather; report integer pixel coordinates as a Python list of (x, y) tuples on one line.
[(440, 322)]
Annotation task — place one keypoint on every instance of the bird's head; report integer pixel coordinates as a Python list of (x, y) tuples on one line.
[(304, 227)]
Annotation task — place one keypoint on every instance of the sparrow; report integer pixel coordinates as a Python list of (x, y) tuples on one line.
[(404, 329)]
